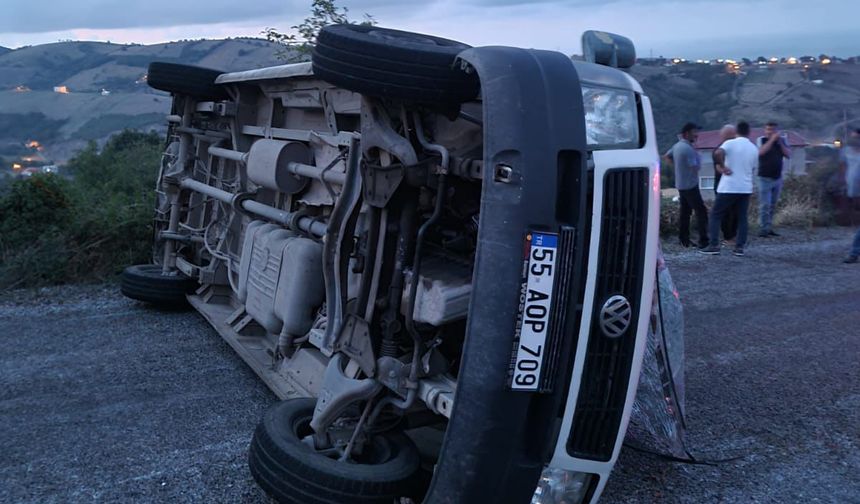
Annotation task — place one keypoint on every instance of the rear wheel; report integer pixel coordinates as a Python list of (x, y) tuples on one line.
[(393, 64), (197, 82), (291, 471), (147, 283)]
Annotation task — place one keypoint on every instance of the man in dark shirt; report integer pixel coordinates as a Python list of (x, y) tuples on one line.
[(849, 165), (772, 148), (687, 165)]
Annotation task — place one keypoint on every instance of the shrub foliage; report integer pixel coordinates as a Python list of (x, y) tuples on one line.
[(86, 226)]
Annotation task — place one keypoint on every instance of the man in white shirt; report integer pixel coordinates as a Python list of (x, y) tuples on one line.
[(737, 162)]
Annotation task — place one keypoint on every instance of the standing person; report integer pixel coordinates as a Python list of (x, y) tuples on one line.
[(738, 161), (772, 148), (729, 224), (849, 164), (687, 165)]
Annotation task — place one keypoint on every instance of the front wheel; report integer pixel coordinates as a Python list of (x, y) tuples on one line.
[(393, 64), (291, 471)]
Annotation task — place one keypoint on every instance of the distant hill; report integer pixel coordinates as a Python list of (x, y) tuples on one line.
[(63, 123), (91, 66), (814, 102)]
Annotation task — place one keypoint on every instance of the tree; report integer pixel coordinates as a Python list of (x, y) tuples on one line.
[(323, 13)]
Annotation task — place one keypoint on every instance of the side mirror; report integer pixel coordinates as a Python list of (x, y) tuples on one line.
[(608, 49)]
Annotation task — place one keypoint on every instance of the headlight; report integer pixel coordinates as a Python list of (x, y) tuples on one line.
[(611, 118), (558, 486)]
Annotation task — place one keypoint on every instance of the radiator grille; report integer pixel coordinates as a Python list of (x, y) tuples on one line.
[(605, 376), (564, 276)]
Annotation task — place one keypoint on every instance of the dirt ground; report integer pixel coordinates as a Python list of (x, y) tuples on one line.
[(105, 400)]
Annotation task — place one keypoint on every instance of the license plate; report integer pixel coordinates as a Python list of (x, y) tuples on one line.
[(535, 306)]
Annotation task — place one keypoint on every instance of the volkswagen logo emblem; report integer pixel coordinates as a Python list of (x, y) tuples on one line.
[(615, 316)]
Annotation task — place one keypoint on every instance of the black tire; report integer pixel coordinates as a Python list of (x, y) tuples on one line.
[(290, 472), (145, 282), (393, 64), (193, 81)]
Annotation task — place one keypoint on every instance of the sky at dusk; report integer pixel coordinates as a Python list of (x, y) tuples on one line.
[(690, 29)]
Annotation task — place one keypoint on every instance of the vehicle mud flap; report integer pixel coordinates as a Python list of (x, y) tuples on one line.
[(498, 440)]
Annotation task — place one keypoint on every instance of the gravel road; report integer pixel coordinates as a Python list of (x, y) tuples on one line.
[(773, 345), (105, 400)]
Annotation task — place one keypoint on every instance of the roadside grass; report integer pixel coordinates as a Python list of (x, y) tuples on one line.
[(86, 227), (799, 213)]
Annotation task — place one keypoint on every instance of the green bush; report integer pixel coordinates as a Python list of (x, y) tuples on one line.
[(34, 214), (54, 230)]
